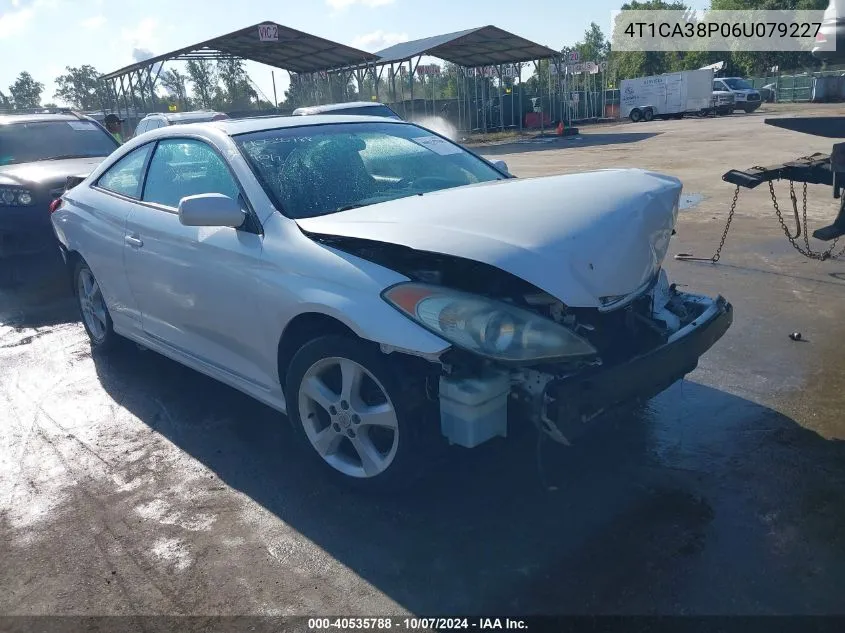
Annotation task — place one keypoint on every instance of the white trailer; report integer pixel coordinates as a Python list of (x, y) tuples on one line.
[(667, 95)]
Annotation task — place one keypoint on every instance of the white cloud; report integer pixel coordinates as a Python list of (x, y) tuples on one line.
[(143, 35), (141, 54), (378, 40), (14, 22), (340, 5), (94, 22), (18, 20)]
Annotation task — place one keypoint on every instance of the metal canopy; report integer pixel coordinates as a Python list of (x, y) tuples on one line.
[(279, 46), (484, 46)]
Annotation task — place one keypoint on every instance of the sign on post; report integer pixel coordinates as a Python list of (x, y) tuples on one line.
[(428, 69)]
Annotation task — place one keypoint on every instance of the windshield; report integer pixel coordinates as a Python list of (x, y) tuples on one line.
[(44, 140), (322, 169), (735, 83)]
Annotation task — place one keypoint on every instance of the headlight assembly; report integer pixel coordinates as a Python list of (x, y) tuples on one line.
[(484, 326), (15, 196)]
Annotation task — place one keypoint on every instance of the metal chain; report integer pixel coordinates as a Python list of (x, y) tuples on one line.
[(808, 252), (799, 225), (718, 253)]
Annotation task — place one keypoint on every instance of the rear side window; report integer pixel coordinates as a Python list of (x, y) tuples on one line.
[(126, 175), (143, 126), (183, 167), (368, 111)]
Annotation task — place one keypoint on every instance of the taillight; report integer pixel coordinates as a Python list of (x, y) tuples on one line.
[(55, 205)]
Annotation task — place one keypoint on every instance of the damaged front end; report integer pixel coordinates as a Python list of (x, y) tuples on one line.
[(644, 348), (629, 349)]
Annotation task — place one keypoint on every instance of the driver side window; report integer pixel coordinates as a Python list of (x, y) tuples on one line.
[(125, 176), (186, 167)]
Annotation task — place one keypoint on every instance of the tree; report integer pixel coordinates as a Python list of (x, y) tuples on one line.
[(82, 88), (595, 46), (238, 92), (26, 92), (177, 86), (203, 76), (300, 92)]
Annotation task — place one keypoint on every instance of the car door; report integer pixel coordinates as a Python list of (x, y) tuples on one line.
[(194, 285), (108, 206)]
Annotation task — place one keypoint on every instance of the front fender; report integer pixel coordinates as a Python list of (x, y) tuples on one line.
[(372, 319)]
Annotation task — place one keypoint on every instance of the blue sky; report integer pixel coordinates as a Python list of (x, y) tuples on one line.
[(44, 36)]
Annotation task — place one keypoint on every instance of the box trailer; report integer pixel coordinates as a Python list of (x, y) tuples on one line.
[(667, 95)]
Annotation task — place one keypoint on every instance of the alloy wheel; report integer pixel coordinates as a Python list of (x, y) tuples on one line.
[(348, 417), (92, 305)]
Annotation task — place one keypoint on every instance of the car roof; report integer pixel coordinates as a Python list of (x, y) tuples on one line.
[(179, 117), (233, 127), (6, 119), (329, 107)]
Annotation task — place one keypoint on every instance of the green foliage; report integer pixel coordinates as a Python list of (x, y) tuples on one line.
[(176, 84), (237, 92), (26, 92), (203, 76), (81, 88)]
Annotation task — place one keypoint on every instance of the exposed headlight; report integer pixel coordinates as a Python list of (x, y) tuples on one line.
[(10, 195), (485, 326)]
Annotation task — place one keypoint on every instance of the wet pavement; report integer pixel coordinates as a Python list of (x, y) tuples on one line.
[(130, 484)]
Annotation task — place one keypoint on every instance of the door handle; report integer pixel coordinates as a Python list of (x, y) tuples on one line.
[(133, 241)]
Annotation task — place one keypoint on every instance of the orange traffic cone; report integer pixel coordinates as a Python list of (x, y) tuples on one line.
[(560, 128)]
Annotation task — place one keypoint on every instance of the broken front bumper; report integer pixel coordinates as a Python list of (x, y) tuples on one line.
[(578, 398)]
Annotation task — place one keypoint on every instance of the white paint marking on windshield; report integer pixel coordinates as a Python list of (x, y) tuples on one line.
[(437, 145)]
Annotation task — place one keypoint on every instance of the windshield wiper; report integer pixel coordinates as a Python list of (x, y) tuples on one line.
[(347, 207)]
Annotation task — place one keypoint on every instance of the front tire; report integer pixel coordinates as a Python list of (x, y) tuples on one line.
[(636, 115), (357, 415), (92, 307)]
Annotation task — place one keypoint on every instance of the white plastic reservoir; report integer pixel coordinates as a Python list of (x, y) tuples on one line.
[(474, 410)]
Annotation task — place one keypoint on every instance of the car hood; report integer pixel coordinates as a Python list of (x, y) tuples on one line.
[(47, 172), (579, 237)]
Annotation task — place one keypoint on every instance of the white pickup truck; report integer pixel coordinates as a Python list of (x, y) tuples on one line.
[(746, 97)]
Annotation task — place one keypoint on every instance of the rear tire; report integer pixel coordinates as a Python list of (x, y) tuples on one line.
[(92, 308), (636, 116), (648, 114), (365, 422)]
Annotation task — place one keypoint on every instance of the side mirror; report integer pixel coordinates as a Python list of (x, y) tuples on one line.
[(500, 165), (211, 209)]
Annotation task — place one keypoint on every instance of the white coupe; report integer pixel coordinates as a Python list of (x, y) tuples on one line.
[(384, 287)]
